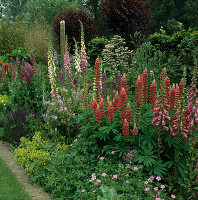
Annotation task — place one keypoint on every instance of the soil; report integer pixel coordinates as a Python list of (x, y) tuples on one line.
[(36, 193)]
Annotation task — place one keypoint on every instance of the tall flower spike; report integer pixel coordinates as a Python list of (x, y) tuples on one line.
[(186, 123), (118, 82), (177, 96), (61, 76), (116, 102), (123, 104), (84, 63), (97, 80), (104, 86), (175, 124), (93, 104), (124, 82), (152, 93), (145, 86), (62, 39), (138, 94), (172, 97), (128, 113), (97, 114), (110, 112), (166, 92), (28, 72), (19, 70), (135, 130), (111, 89), (77, 58), (125, 128), (101, 106), (67, 66)]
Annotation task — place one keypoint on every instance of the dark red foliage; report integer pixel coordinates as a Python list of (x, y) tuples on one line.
[(126, 16), (72, 25)]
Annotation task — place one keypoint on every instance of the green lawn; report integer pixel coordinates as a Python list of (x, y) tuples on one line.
[(10, 188)]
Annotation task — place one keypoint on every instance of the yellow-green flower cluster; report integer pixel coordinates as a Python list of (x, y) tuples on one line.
[(32, 150)]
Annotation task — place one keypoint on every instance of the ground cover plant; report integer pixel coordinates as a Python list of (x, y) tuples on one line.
[(10, 187), (119, 124)]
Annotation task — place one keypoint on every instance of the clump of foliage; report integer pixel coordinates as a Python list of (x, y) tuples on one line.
[(126, 16), (95, 48), (11, 35), (179, 49), (72, 25), (36, 151)]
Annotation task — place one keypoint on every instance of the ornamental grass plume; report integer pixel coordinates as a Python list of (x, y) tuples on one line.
[(19, 70), (123, 104), (110, 112), (97, 80), (125, 128), (116, 102), (145, 86), (152, 93)]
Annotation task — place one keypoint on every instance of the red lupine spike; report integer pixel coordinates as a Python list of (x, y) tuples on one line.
[(101, 106), (175, 124), (116, 102), (172, 98), (124, 82), (97, 80), (181, 87), (135, 130), (110, 112), (145, 86), (123, 103), (138, 92), (97, 114), (118, 88), (93, 104), (152, 93), (125, 128), (128, 113)]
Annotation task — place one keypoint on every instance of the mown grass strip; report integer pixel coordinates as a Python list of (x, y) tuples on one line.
[(10, 188)]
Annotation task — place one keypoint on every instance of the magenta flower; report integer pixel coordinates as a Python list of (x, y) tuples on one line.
[(75, 140), (113, 152), (83, 190), (94, 191), (99, 181), (147, 189), (135, 168), (158, 178), (173, 196), (102, 158), (146, 182), (162, 187), (155, 188), (128, 166), (149, 180), (104, 174), (115, 176), (127, 181)]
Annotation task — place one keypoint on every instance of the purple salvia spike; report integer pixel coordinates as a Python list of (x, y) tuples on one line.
[(19, 70), (119, 79)]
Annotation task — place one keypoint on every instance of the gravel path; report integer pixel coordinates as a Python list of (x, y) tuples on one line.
[(34, 192)]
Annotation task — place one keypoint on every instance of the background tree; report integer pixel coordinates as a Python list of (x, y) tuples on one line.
[(125, 17)]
